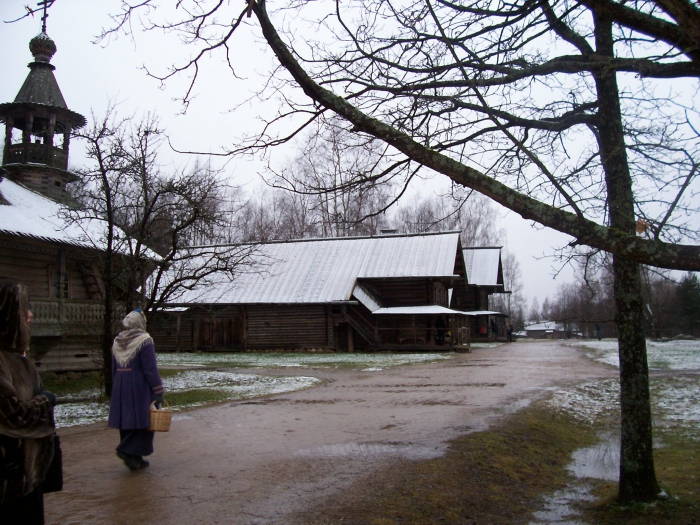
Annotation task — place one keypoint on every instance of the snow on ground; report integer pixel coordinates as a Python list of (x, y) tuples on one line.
[(283, 360), (236, 386), (675, 400), (487, 345), (589, 401), (666, 355), (678, 399)]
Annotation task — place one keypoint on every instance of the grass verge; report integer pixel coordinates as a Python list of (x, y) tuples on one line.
[(500, 477), (61, 385), (492, 477)]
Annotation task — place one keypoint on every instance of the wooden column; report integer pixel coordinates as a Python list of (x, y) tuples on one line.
[(27, 136), (48, 140), (178, 326), (8, 141)]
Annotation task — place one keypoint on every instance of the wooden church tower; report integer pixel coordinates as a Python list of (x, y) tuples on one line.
[(38, 125)]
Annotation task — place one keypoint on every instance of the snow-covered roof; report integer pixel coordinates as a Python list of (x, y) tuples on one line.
[(431, 309), (30, 214), (484, 312), (327, 270), (482, 265), (547, 326), (366, 298)]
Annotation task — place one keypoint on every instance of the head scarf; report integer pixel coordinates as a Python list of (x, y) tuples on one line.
[(131, 339), (14, 305)]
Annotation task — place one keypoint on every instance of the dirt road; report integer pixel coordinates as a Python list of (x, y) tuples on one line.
[(257, 462)]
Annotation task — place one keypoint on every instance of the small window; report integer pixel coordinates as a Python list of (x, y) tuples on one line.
[(59, 284)]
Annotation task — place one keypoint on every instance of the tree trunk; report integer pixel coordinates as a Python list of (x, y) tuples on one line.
[(107, 322), (637, 476)]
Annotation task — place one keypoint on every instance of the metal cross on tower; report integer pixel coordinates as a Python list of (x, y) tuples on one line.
[(44, 4)]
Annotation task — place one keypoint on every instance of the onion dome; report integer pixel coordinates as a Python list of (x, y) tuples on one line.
[(42, 47)]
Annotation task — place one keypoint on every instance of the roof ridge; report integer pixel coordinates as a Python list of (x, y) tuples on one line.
[(316, 239)]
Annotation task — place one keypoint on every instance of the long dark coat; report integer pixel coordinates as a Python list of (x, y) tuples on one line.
[(135, 387), (26, 428)]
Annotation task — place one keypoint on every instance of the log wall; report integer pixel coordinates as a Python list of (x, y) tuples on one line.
[(36, 264), (244, 328), (287, 327)]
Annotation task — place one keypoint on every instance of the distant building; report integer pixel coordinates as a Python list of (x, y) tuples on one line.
[(484, 278), (551, 330)]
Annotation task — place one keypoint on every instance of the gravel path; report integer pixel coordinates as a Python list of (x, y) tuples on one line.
[(256, 462)]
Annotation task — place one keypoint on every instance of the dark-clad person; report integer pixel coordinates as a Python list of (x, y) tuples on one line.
[(136, 385), (26, 415)]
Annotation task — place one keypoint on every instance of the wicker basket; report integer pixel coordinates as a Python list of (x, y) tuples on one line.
[(161, 418)]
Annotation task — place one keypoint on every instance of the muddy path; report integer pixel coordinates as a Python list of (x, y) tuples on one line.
[(257, 462)]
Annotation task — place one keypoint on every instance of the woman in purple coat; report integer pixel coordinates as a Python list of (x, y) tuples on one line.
[(136, 385)]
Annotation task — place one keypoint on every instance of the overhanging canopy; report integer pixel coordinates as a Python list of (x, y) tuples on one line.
[(432, 309)]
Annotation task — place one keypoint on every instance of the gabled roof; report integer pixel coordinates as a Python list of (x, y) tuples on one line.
[(326, 270), (30, 214), (483, 266)]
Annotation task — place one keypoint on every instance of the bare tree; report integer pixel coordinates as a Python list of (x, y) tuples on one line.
[(336, 181), (521, 101), (153, 218), (467, 211)]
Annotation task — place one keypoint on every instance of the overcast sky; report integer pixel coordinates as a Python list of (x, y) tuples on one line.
[(91, 75)]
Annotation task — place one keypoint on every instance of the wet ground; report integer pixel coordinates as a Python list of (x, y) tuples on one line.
[(257, 462)]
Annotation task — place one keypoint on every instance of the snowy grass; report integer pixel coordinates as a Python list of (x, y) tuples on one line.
[(231, 387), (368, 362), (667, 355), (589, 402), (675, 402)]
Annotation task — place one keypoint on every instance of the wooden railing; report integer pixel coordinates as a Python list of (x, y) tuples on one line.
[(39, 153), (58, 316)]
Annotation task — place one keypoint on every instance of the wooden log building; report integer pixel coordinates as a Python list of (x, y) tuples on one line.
[(379, 293), (484, 278)]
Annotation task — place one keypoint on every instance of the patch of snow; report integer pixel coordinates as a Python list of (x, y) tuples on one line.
[(238, 386), (589, 401), (235, 386), (285, 360), (662, 355), (486, 345), (73, 414), (677, 400)]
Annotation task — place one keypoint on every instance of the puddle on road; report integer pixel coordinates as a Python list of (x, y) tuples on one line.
[(601, 461), (408, 451)]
